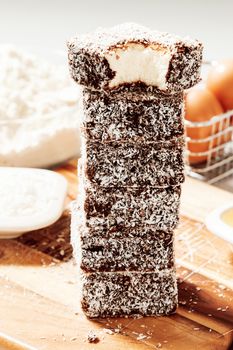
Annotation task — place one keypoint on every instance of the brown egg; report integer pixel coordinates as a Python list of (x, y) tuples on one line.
[(201, 105), (220, 82)]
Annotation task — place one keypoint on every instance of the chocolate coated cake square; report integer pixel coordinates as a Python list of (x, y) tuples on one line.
[(153, 251), (126, 254), (122, 230), (139, 117), (109, 208), (122, 294), (130, 55), (134, 164)]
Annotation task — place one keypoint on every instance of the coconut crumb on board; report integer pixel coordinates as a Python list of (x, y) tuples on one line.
[(73, 338), (108, 331), (221, 286), (63, 337), (141, 336), (92, 338)]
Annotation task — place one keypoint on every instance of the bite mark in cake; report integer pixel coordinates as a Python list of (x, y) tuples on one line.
[(131, 54)]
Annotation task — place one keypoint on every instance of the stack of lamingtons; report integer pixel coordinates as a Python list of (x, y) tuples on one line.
[(132, 166)]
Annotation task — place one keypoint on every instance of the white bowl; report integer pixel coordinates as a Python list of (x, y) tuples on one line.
[(30, 199), (45, 140), (217, 224), (26, 143)]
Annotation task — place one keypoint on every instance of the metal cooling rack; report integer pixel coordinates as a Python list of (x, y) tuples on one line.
[(193, 241), (219, 153)]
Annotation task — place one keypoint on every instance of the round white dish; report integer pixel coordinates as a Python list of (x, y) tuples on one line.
[(216, 224), (30, 199)]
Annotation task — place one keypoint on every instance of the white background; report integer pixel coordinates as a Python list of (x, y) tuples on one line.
[(49, 23)]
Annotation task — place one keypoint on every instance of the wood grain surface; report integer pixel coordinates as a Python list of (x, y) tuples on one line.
[(39, 288)]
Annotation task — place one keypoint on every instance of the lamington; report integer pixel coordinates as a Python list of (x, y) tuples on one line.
[(132, 164), (128, 54), (129, 293), (131, 117), (132, 167), (130, 254), (108, 207), (153, 250)]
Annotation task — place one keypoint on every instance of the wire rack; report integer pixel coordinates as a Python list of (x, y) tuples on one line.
[(218, 153), (214, 161)]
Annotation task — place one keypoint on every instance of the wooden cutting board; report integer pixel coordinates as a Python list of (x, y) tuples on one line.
[(39, 291)]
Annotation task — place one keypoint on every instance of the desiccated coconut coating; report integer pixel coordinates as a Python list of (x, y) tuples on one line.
[(132, 167), (134, 164), (140, 254), (114, 232), (153, 251), (110, 207), (111, 294), (89, 66), (111, 117)]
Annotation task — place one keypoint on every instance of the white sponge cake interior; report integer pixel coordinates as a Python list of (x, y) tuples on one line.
[(137, 62)]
